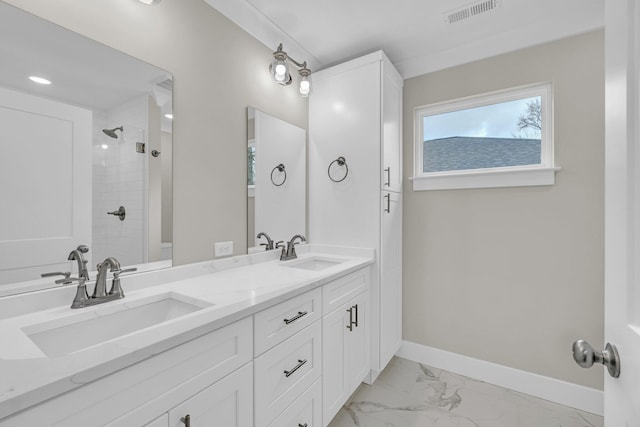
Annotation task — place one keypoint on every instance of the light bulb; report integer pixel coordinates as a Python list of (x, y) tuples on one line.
[(281, 70)]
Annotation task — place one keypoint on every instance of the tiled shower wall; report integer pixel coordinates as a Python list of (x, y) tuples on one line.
[(119, 180)]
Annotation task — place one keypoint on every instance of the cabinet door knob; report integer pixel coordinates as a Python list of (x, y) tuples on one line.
[(186, 420)]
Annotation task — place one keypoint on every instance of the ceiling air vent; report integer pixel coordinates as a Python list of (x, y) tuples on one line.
[(471, 10)]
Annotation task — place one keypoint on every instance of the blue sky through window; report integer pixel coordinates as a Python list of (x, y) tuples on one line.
[(489, 121)]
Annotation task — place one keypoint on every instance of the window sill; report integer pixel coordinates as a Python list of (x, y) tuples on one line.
[(524, 177)]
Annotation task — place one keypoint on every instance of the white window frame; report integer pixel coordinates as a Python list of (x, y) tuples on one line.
[(509, 176)]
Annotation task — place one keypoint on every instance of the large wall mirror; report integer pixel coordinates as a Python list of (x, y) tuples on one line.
[(84, 159), (276, 165)]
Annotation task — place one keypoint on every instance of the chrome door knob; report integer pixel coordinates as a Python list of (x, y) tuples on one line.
[(586, 356)]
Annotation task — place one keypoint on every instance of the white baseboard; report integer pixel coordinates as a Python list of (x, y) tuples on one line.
[(562, 392)]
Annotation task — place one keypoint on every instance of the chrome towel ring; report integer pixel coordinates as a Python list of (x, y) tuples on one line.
[(281, 169), (340, 161)]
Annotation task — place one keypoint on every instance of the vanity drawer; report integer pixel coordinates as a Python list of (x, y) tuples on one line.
[(283, 373), (276, 324), (336, 293), (305, 411)]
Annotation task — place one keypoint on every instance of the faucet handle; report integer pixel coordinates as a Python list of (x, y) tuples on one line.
[(82, 249), (116, 288), (66, 274)]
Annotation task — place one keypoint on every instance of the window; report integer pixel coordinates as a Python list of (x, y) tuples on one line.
[(501, 139)]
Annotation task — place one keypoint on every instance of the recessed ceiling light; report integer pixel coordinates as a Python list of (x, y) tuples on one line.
[(150, 2), (169, 116), (40, 80)]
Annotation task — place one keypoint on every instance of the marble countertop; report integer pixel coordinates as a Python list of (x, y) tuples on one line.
[(229, 290)]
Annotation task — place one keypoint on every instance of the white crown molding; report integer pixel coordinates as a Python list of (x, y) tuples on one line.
[(562, 392), (250, 19), (498, 44)]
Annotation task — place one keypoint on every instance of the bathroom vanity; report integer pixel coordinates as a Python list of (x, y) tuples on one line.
[(245, 341)]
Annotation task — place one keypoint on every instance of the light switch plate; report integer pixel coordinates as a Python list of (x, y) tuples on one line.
[(223, 249)]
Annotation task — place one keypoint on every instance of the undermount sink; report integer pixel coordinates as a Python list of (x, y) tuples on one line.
[(96, 326), (315, 263)]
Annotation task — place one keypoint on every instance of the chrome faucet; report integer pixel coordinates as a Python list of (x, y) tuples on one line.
[(100, 295), (269, 245), (76, 255), (290, 251), (100, 289)]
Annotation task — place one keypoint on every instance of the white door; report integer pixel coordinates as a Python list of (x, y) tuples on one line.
[(622, 209), (45, 166)]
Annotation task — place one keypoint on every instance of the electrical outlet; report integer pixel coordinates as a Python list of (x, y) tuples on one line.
[(223, 249)]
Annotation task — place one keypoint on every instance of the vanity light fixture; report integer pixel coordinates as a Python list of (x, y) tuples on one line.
[(40, 80), (279, 70)]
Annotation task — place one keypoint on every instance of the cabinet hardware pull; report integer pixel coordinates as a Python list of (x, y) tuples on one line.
[(298, 366), (296, 317), (302, 425), (186, 420), (356, 309), (350, 325), (388, 197), (388, 171)]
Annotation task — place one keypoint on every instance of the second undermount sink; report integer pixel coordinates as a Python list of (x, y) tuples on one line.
[(96, 326), (315, 263)]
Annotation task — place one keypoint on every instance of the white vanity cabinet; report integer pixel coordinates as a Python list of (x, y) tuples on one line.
[(345, 338), (355, 113), (293, 363)]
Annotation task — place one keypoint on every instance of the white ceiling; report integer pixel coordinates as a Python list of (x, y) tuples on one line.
[(83, 71), (413, 33)]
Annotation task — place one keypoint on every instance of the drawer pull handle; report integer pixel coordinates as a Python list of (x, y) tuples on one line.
[(350, 325), (296, 317), (298, 366), (356, 309), (186, 420), (302, 425), (388, 171)]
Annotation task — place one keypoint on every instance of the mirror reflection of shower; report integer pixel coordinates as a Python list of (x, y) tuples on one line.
[(112, 132)]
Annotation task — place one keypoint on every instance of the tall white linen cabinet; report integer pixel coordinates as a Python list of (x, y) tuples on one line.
[(355, 181)]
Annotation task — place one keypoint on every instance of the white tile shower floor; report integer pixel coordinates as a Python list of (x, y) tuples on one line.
[(409, 394)]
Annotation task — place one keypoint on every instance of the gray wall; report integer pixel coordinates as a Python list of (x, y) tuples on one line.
[(514, 275), (219, 70)]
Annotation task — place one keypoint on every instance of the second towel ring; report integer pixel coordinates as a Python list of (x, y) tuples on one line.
[(341, 162), (280, 168)]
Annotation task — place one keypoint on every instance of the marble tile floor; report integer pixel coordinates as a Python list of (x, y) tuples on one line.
[(409, 394)]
